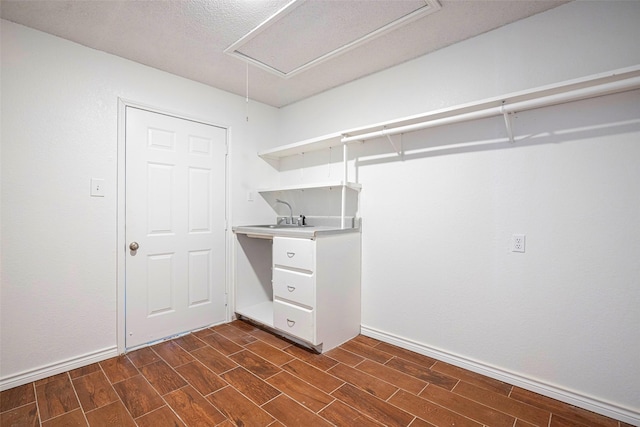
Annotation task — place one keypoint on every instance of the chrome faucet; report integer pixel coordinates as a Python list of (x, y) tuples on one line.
[(290, 219)]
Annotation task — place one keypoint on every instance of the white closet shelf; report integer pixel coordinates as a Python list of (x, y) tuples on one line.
[(572, 90), (321, 185), (313, 144)]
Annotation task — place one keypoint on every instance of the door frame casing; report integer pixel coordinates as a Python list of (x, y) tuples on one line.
[(121, 241)]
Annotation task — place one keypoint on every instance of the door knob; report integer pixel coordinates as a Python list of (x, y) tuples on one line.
[(134, 246)]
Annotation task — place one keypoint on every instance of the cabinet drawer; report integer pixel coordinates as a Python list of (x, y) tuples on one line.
[(294, 286), (293, 320), (295, 253)]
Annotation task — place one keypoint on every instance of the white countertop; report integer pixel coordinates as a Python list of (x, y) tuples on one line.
[(306, 232)]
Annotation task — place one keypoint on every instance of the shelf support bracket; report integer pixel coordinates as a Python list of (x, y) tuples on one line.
[(345, 179), (507, 122), (393, 144)]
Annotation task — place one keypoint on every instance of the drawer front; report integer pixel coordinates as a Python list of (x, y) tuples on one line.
[(293, 320), (294, 253), (294, 286)]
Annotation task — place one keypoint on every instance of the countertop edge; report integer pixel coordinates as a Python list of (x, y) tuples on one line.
[(303, 232)]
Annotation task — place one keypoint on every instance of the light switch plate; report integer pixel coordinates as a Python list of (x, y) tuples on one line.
[(97, 187)]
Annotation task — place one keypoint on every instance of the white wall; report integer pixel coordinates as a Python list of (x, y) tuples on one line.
[(59, 129), (437, 271), (562, 315)]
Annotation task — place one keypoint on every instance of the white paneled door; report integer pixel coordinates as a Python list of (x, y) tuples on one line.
[(175, 226)]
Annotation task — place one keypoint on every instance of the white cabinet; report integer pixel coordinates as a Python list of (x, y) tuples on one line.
[(314, 295)]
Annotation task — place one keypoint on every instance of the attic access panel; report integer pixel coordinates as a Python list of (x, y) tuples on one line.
[(305, 33)]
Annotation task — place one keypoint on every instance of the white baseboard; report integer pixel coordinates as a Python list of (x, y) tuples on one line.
[(572, 398), (35, 374)]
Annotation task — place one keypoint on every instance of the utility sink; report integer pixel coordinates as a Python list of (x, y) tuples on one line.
[(280, 226)]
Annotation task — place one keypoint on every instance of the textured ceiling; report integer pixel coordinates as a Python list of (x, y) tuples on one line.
[(189, 37)]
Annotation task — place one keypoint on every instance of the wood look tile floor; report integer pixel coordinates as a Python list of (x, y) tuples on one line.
[(239, 375)]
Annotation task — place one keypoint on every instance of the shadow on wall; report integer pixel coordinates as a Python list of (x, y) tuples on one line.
[(591, 118)]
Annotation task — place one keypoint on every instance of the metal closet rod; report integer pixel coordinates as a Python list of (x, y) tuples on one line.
[(506, 109)]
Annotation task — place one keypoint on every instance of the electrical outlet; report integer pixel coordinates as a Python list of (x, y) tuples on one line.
[(518, 243)]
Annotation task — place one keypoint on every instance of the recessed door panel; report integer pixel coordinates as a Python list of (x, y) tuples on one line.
[(159, 198), (199, 145), (161, 139), (199, 200), (159, 283), (199, 277)]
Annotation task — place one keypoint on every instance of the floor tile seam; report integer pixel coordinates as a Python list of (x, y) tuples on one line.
[(83, 375), (362, 339), (228, 370), (116, 382), (371, 418), (424, 366), (311, 385), (222, 372), (183, 378), (233, 325), (568, 406), (573, 420), (189, 351), (18, 407), (395, 385), (247, 397), (176, 366), (436, 404), (230, 354), (464, 415), (110, 385), (511, 414), (549, 413), (473, 375), (165, 360), (368, 358), (324, 372), (377, 379), (201, 395), (63, 414), (264, 358), (418, 365), (135, 420), (391, 356), (197, 391), (385, 401), (233, 340), (49, 382), (132, 362), (270, 376), (159, 395), (406, 360), (163, 401), (335, 399), (75, 392), (210, 370), (171, 391), (269, 344), (252, 352), (170, 408), (282, 393)]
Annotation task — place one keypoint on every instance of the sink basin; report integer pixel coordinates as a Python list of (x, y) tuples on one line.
[(280, 226)]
